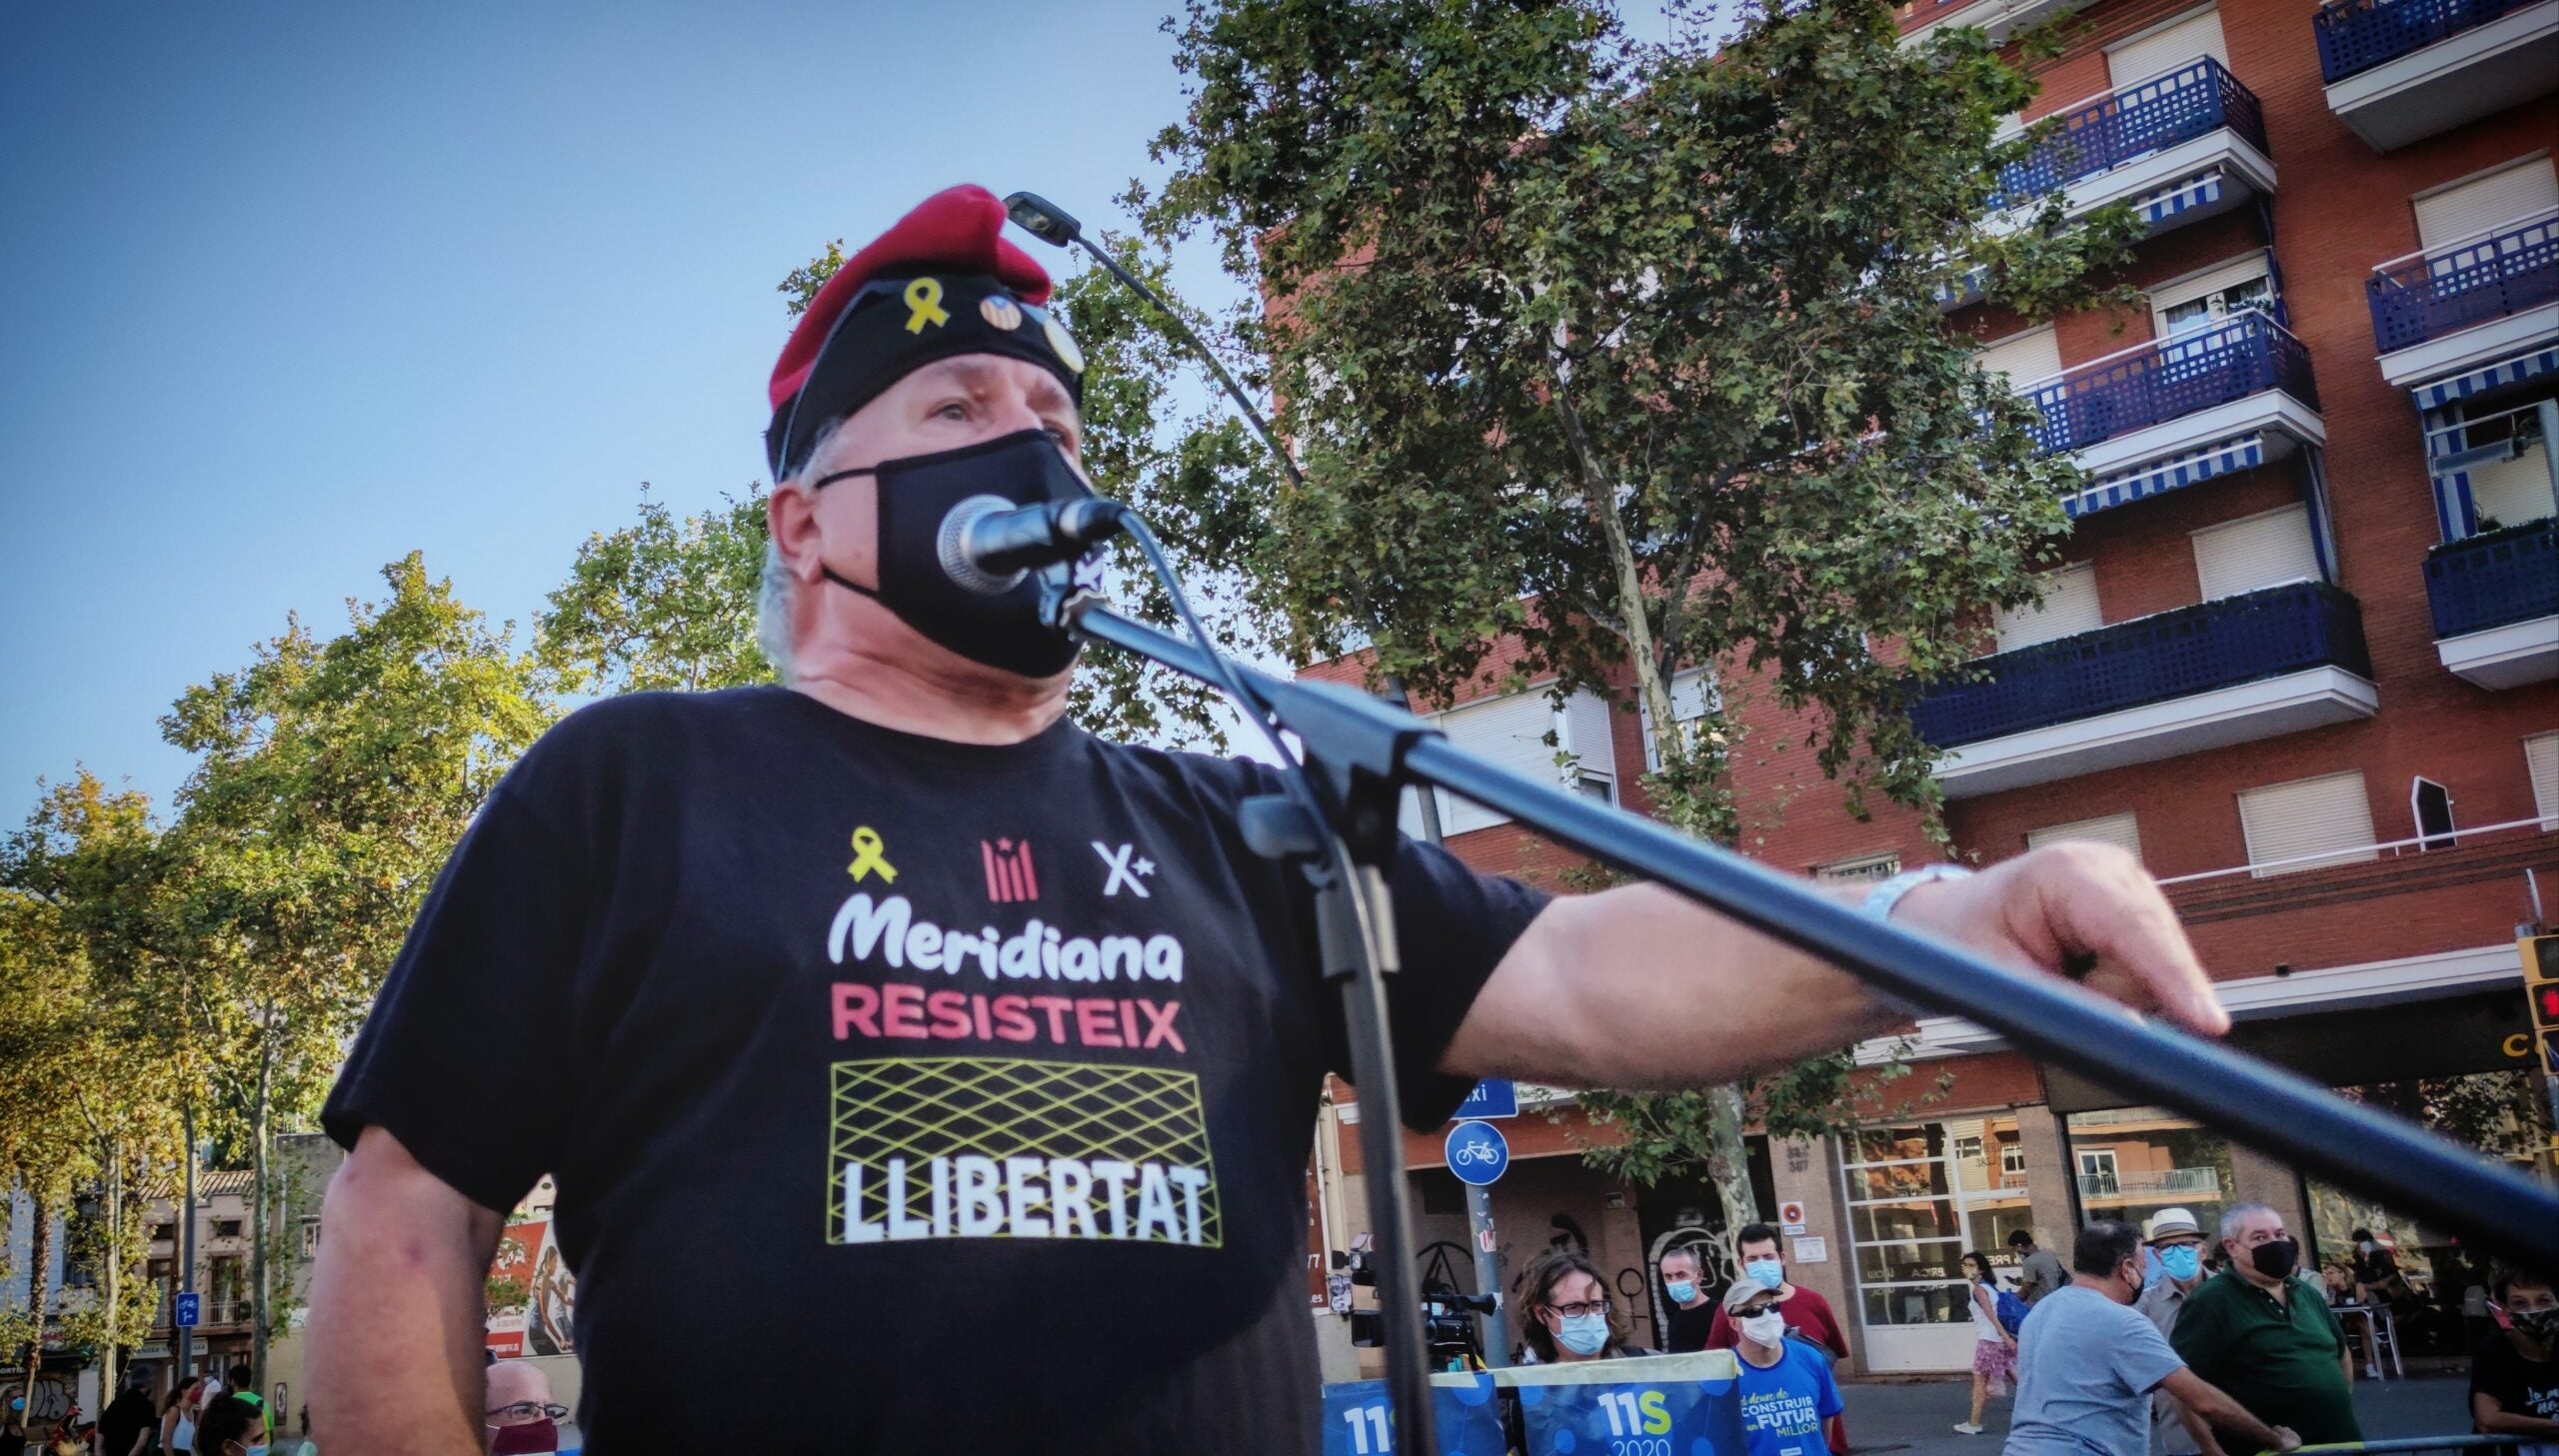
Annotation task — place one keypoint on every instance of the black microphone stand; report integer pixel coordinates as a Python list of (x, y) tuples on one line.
[(1380, 748)]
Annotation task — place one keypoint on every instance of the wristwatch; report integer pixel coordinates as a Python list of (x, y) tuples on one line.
[(1880, 900)]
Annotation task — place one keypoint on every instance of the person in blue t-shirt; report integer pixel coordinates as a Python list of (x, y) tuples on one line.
[(1786, 1390)]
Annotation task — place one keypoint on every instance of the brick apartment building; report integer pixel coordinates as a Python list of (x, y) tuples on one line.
[(2300, 657)]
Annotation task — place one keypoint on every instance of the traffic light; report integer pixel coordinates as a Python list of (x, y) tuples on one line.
[(2541, 992)]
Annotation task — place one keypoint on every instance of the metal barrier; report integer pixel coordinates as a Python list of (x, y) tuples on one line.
[(2491, 276), (2494, 578), (2152, 384), (2357, 35), (2407, 1445), (2176, 653), (2197, 98)]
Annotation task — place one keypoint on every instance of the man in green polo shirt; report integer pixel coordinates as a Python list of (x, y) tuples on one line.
[(2268, 1338)]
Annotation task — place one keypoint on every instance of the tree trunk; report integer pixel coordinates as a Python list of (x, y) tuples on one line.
[(260, 1133), (39, 1291), (109, 1284)]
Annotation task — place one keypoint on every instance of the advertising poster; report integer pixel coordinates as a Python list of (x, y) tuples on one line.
[(1664, 1405), (1358, 1418)]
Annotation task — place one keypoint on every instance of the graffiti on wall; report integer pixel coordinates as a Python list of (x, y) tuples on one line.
[(531, 1295)]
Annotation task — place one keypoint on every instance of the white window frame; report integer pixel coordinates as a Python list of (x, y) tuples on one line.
[(2451, 836), (2540, 750)]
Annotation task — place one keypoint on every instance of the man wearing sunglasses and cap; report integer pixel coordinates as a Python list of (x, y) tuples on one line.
[(877, 1006)]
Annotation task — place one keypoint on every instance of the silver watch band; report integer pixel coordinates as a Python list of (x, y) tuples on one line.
[(1879, 902)]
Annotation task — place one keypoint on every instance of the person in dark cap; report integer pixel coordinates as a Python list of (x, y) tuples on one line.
[(886, 1006)]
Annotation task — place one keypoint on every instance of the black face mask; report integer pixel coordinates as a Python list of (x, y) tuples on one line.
[(921, 573), (2275, 1257)]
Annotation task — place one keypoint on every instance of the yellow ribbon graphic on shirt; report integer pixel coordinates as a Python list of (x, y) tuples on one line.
[(866, 857), (923, 305)]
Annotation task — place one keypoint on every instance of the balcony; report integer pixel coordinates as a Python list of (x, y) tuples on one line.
[(2152, 1183), (2180, 147), (2175, 396), (1998, 18), (2496, 605), (2467, 301), (2402, 69), (2232, 670)]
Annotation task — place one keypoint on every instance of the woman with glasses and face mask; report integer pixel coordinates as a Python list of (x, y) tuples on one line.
[(1569, 1313)]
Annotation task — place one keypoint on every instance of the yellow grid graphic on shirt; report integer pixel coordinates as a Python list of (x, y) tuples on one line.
[(921, 1109)]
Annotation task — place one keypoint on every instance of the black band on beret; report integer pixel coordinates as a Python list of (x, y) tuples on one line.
[(896, 326)]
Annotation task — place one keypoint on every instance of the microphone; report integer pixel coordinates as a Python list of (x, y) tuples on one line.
[(987, 543)]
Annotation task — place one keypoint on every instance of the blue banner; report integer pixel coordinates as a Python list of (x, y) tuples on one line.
[(1668, 1405), (1358, 1418)]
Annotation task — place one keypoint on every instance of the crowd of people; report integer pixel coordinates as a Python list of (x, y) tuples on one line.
[(2173, 1338), (222, 1414)]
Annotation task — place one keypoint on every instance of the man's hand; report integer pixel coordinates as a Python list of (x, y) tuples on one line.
[(2091, 904), (1585, 996), (2287, 1439)]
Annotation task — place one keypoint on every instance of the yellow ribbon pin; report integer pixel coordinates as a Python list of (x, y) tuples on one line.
[(923, 305), (866, 857)]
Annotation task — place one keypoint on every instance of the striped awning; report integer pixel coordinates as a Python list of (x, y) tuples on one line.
[(2246, 451), (2168, 201), (2479, 380)]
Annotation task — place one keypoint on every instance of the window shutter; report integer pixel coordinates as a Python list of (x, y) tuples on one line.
[(2167, 48), (1586, 732), (2115, 830), (2255, 552), (2541, 760), (1512, 732), (2308, 816), (1861, 870), (2070, 606), (2480, 204), (2023, 358)]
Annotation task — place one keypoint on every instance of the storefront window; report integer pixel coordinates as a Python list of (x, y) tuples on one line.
[(2131, 1162), (2431, 1286), (1920, 1196)]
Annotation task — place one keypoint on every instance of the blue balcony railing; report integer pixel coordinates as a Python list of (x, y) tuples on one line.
[(2357, 35), (2449, 289), (2287, 629), (2197, 98), (2244, 354), (2494, 578)]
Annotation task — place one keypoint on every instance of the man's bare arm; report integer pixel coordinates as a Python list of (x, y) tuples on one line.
[(2493, 1419), (1588, 994), (399, 1308), (2210, 1402)]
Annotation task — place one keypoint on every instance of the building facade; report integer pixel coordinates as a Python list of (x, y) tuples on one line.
[(2299, 658)]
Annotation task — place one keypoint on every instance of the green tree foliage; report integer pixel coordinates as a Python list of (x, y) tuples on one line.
[(88, 1085), (1633, 352), (668, 603), (332, 779)]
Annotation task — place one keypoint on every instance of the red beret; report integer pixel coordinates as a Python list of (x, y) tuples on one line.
[(953, 241)]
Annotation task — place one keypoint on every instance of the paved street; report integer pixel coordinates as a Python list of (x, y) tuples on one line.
[(1916, 1418)]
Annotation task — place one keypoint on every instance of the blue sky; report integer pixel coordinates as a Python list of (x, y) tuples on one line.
[(292, 290)]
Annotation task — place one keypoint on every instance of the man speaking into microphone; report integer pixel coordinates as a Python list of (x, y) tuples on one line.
[(949, 1066)]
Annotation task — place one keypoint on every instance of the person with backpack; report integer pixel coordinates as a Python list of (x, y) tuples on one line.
[(1994, 1341)]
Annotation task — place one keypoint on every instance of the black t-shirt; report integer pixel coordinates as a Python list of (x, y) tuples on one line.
[(2522, 1387), (967, 1089), (125, 1419), (1688, 1327)]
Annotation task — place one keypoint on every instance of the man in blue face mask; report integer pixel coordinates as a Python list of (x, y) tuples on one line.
[(2176, 1242)]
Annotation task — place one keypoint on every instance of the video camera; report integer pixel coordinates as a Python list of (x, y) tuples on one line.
[(1448, 1323)]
